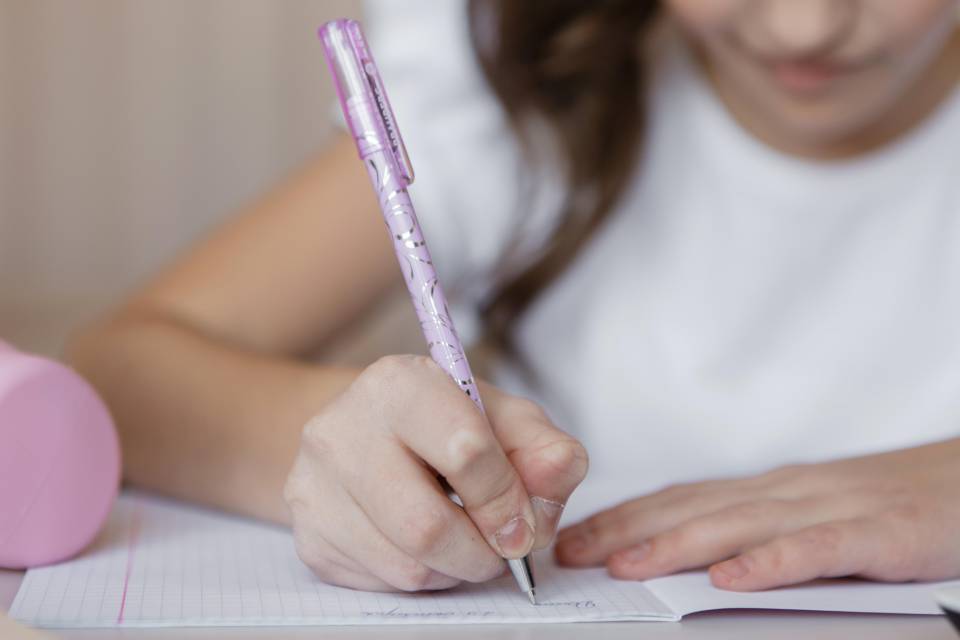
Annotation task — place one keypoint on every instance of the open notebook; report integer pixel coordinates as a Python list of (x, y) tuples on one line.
[(162, 563)]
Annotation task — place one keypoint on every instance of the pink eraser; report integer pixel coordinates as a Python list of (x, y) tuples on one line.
[(59, 461)]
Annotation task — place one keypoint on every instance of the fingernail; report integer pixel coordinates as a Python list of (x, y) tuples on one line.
[(636, 554), (515, 538), (733, 569), (546, 513)]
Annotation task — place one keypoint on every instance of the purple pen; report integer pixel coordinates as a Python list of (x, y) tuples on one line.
[(374, 128)]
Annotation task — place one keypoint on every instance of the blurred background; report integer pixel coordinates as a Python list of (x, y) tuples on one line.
[(128, 128)]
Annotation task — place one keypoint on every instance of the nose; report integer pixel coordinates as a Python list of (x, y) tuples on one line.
[(805, 28)]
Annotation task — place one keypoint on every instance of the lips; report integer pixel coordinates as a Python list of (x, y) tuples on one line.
[(806, 76)]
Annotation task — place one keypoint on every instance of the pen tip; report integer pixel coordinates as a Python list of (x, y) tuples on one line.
[(533, 598)]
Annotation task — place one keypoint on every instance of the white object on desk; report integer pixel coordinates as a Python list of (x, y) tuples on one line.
[(161, 563)]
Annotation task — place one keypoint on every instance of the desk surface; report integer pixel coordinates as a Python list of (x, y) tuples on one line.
[(743, 625)]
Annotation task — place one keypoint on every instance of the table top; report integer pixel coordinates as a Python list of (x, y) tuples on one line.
[(743, 625)]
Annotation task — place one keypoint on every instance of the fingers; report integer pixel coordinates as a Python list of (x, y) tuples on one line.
[(368, 508), (407, 506), (354, 554), (829, 550), (381, 557), (457, 440), (550, 463), (592, 541), (332, 567), (717, 536)]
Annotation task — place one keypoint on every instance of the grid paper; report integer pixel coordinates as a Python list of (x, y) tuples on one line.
[(162, 563)]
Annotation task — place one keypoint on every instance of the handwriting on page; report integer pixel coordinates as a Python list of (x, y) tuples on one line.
[(396, 612), (163, 563), (576, 604), (160, 563)]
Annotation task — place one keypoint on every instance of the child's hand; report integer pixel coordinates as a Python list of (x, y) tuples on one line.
[(368, 509), (891, 517)]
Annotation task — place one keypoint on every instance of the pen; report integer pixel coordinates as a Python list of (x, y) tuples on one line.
[(374, 128)]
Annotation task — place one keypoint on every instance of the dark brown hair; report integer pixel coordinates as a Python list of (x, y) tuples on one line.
[(575, 66)]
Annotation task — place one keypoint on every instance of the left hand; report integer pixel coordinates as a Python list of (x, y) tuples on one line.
[(890, 517)]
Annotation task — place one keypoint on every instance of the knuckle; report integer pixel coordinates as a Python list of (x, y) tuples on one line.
[(674, 492), (907, 512), (605, 519), (668, 547), (688, 537), (392, 372), (493, 568), (571, 457), (315, 437), (615, 531), (298, 490), (413, 576), (785, 475), (313, 555), (424, 534), (390, 365), (399, 366), (790, 470), (772, 558), (786, 553), (292, 493), (565, 458), (596, 521), (878, 498), (753, 510), (466, 446), (826, 537)]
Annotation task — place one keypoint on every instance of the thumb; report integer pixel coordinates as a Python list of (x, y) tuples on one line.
[(550, 462)]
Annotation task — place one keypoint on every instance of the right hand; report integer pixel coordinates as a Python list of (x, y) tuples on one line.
[(369, 511)]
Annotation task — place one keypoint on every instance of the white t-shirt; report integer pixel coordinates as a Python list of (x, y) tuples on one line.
[(741, 310)]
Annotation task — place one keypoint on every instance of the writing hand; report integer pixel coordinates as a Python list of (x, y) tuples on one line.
[(368, 509)]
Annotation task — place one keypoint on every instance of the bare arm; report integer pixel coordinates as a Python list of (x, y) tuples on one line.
[(205, 373), (203, 368)]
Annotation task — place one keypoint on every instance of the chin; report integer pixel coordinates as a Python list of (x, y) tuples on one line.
[(822, 120), (820, 125)]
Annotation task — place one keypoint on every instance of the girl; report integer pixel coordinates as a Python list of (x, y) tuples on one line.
[(717, 240)]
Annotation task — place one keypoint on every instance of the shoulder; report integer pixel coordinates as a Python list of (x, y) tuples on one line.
[(413, 38)]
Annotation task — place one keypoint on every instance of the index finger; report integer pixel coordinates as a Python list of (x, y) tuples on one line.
[(453, 437), (550, 462), (827, 550)]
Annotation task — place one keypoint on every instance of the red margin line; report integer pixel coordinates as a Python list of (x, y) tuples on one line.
[(135, 522)]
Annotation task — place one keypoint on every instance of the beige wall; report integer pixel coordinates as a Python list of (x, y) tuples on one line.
[(127, 127)]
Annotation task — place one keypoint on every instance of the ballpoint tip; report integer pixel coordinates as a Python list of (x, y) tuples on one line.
[(532, 596)]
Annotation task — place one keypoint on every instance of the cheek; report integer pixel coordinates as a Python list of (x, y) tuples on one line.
[(705, 17), (914, 32), (912, 25)]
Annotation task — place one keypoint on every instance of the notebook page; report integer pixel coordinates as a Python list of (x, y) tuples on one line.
[(162, 563), (690, 592)]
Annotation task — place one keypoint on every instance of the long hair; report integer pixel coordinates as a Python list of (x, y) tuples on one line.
[(575, 66)]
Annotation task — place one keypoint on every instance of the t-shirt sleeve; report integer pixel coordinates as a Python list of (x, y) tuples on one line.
[(465, 159)]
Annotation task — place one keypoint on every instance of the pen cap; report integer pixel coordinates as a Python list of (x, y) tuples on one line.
[(59, 461), (360, 91)]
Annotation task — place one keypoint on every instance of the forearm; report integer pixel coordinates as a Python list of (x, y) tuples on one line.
[(200, 419)]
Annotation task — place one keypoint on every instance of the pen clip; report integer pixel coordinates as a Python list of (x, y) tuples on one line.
[(380, 101)]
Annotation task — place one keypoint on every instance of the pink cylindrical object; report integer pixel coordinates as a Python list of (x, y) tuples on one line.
[(59, 461)]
